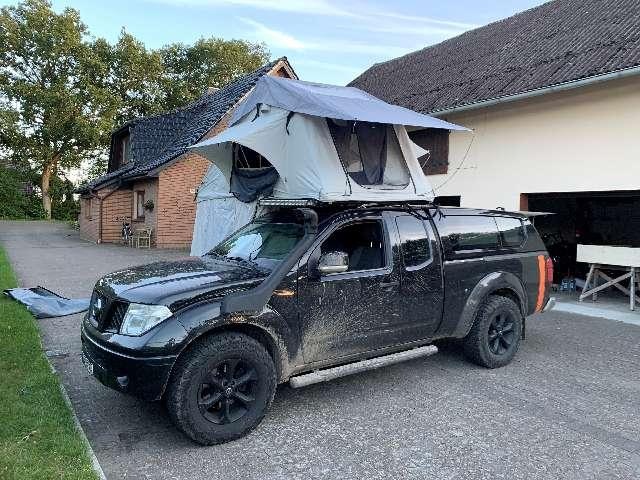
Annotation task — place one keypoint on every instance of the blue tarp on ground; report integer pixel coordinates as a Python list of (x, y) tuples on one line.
[(43, 303)]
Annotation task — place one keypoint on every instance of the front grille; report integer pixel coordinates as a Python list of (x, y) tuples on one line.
[(106, 314), (115, 316)]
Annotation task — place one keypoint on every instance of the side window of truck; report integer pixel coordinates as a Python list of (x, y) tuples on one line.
[(512, 232), (414, 241), (466, 233), (363, 242)]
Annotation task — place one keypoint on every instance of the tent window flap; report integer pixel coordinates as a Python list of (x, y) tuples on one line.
[(370, 153), (252, 175)]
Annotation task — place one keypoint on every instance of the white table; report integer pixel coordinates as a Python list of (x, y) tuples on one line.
[(626, 259)]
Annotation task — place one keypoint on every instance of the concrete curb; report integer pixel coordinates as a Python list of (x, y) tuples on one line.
[(632, 318)]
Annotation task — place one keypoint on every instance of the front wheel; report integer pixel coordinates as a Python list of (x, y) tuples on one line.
[(495, 336), (221, 388)]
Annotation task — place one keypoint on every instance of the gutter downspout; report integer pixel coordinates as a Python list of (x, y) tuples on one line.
[(558, 87)]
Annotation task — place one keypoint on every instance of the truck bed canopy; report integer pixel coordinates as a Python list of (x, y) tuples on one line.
[(291, 139)]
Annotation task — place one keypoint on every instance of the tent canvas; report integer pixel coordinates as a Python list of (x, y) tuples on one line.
[(306, 150), (321, 142), (332, 101), (218, 212)]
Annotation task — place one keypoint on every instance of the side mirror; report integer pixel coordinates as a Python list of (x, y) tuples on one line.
[(333, 262)]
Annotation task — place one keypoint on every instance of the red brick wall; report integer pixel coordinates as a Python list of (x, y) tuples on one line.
[(176, 206)]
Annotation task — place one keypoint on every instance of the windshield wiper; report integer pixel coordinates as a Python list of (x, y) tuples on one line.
[(243, 262)]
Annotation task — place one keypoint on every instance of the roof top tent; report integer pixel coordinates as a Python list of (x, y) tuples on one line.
[(292, 140)]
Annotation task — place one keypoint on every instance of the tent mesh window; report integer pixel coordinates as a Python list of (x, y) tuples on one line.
[(252, 175), (436, 141), (370, 153)]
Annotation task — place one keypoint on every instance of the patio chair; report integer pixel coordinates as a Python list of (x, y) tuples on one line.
[(142, 237)]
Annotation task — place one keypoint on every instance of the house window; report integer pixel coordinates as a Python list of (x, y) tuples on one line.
[(126, 149), (436, 141), (138, 205)]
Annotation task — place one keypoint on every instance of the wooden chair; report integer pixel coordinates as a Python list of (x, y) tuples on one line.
[(142, 237)]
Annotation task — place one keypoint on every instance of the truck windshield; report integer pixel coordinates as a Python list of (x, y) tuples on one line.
[(262, 242)]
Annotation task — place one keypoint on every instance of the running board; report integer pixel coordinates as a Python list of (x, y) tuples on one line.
[(362, 366)]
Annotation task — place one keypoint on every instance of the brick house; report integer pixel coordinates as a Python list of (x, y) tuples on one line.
[(152, 178)]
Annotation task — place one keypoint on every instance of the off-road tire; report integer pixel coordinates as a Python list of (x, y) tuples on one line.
[(184, 392), (477, 346)]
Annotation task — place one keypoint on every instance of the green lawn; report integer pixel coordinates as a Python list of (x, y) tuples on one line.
[(38, 439)]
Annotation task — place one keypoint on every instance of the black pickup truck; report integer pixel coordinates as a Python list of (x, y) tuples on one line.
[(307, 294)]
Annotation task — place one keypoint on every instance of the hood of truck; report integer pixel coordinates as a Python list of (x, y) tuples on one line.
[(178, 283)]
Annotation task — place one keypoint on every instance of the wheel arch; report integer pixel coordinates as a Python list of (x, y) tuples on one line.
[(504, 284), (265, 328)]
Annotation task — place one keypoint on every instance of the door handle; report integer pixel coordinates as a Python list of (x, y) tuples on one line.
[(389, 285)]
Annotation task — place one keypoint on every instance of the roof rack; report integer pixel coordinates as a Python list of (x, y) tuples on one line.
[(310, 202), (288, 202)]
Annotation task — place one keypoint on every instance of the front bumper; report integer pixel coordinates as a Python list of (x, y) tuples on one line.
[(142, 377)]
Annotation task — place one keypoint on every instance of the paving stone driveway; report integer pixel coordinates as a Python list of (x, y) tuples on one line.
[(567, 407)]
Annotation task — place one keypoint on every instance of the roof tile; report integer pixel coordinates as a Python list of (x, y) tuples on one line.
[(557, 42)]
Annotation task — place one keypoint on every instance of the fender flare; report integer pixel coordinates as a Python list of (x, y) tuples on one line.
[(491, 283), (268, 327)]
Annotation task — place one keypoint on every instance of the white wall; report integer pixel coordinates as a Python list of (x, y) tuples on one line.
[(587, 139)]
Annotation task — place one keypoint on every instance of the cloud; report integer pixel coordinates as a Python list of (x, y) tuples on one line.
[(280, 39), (355, 10), (308, 7), (273, 37), (425, 20)]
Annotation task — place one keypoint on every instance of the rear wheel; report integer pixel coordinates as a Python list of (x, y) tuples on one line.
[(221, 388), (495, 336)]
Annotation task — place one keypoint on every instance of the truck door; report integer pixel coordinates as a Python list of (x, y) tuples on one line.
[(353, 311), (421, 281)]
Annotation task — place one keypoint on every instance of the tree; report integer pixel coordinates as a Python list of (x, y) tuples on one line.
[(63, 92), (134, 78), (190, 69), (56, 112)]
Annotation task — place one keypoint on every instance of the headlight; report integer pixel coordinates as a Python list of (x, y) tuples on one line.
[(142, 318)]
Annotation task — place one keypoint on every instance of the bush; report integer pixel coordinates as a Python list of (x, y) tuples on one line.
[(64, 206), (15, 201)]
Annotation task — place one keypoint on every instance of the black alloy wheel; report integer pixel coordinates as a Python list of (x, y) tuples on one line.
[(221, 387), (228, 391), (501, 333), (496, 333)]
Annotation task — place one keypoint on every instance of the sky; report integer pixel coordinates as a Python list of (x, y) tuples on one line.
[(328, 41)]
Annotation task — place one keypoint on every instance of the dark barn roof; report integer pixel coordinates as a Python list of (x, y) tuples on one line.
[(560, 41), (157, 140)]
